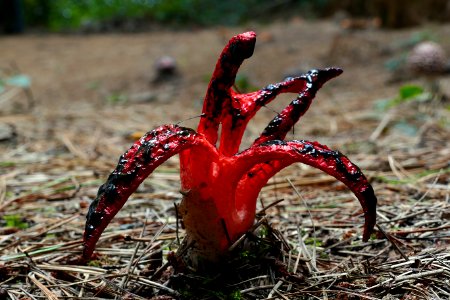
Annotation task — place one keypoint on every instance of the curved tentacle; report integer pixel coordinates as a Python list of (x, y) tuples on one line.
[(275, 155), (286, 119), (245, 106), (218, 97), (134, 166)]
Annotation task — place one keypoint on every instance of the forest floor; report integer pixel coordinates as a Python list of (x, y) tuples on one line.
[(92, 95)]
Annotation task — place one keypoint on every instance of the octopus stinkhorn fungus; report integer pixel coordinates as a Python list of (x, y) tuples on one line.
[(220, 184)]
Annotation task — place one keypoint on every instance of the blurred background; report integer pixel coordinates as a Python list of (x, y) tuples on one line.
[(68, 68), (107, 15)]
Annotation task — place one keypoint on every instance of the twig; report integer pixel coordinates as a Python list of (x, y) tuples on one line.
[(420, 230), (391, 239), (313, 257), (130, 263), (379, 129), (275, 288), (257, 288), (49, 294), (156, 285), (404, 278)]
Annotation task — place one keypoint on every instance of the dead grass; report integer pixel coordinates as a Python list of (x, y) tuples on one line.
[(316, 225), (309, 243)]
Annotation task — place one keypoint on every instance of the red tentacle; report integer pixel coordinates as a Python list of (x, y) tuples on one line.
[(245, 106), (134, 166), (286, 119), (218, 99), (264, 160)]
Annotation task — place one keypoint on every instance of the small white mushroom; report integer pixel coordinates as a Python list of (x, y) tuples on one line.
[(427, 58)]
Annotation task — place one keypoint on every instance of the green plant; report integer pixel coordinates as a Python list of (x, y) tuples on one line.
[(116, 98), (60, 15), (313, 241), (71, 14), (17, 80), (15, 221), (406, 93)]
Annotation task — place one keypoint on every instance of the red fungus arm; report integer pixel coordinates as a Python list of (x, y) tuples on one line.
[(218, 99), (245, 106), (270, 157), (286, 119), (134, 166)]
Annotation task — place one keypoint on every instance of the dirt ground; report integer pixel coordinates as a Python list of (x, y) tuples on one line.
[(92, 94), (77, 76)]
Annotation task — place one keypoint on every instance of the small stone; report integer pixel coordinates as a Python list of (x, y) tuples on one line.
[(6, 132), (166, 70), (166, 65)]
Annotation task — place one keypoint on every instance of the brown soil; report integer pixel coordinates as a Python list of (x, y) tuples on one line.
[(76, 73)]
